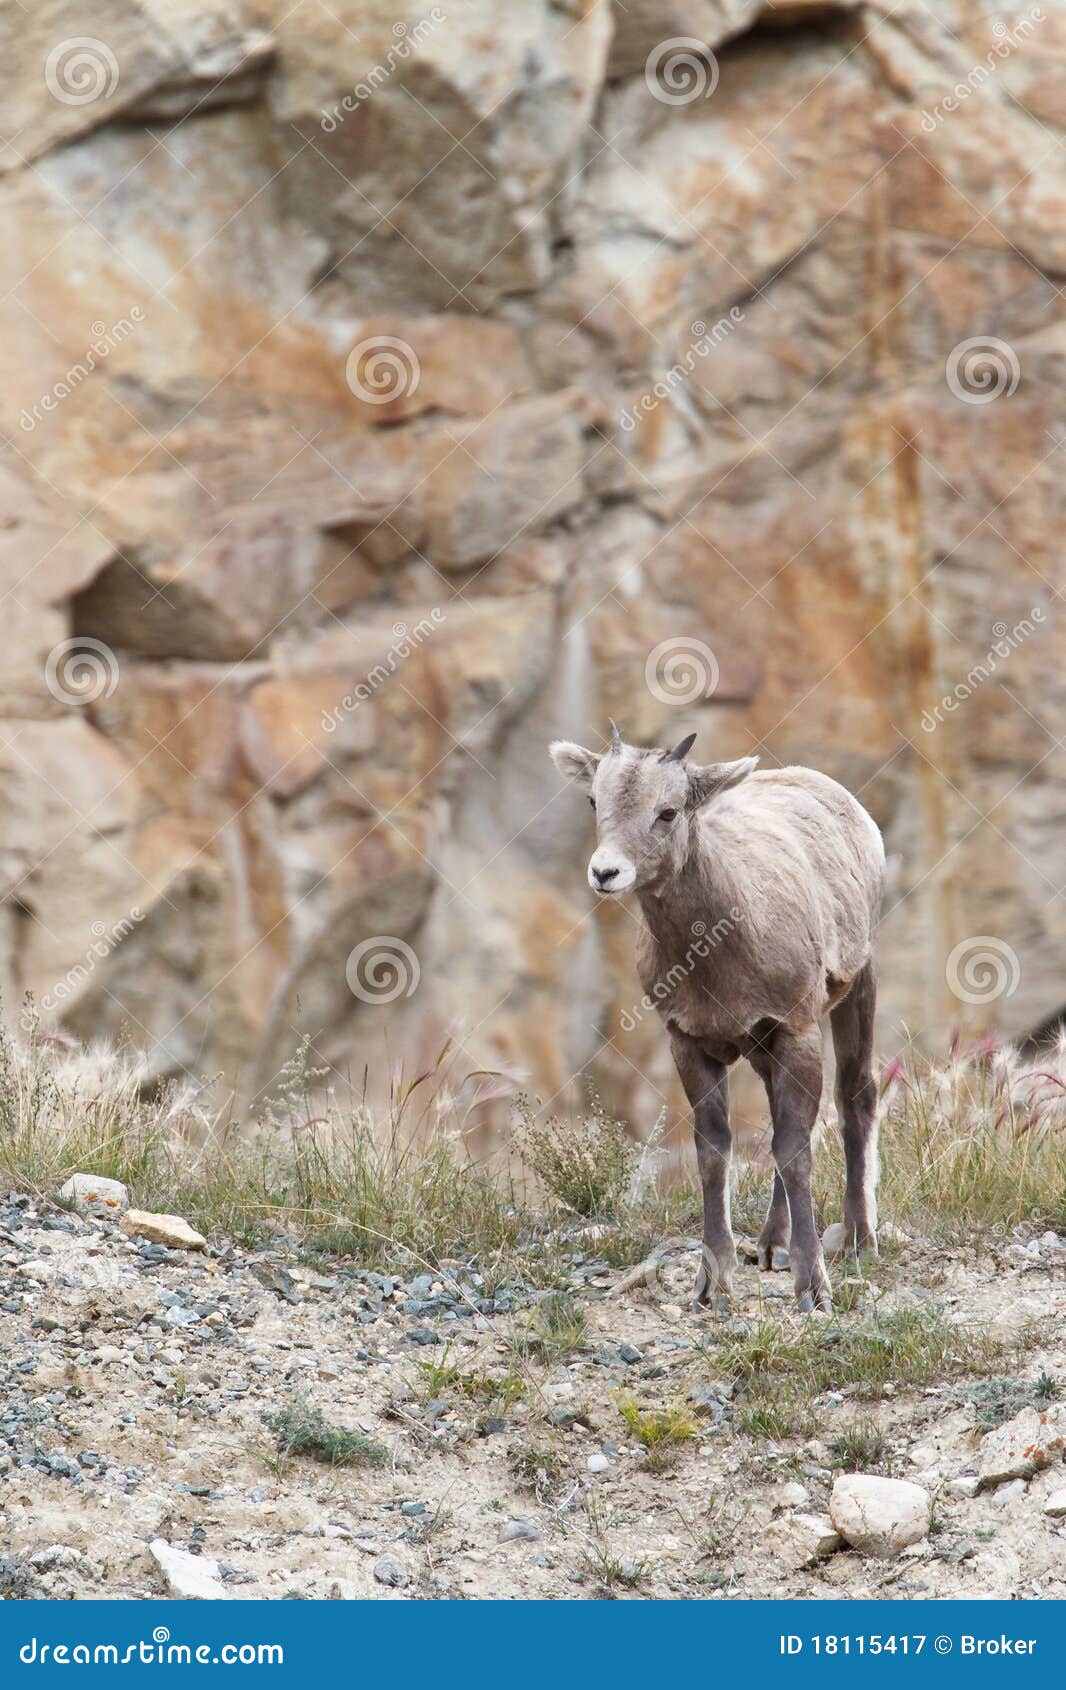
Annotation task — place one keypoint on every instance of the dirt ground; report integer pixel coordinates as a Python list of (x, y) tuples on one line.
[(135, 1382)]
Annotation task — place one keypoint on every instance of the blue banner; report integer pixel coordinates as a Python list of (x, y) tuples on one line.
[(521, 1644)]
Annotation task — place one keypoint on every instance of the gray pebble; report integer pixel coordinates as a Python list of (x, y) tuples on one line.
[(514, 1530), (387, 1570)]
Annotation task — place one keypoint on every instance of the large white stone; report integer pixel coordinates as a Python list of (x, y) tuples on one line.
[(195, 1577), (879, 1516), (90, 1195)]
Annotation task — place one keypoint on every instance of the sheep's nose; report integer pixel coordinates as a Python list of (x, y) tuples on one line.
[(603, 875)]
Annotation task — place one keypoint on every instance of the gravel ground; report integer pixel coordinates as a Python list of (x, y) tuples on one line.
[(135, 1379)]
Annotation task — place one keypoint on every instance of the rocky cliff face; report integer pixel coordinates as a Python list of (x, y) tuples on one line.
[(388, 388)]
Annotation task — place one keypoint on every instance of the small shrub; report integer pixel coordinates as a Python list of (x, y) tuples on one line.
[(303, 1430), (772, 1421), (587, 1165), (1000, 1399), (438, 1376)]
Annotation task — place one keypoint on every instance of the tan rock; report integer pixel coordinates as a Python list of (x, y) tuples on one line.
[(688, 385), (1033, 1439), (801, 1540), (170, 1230)]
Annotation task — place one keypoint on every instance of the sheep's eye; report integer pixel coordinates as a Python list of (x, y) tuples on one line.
[(592, 801), (667, 815)]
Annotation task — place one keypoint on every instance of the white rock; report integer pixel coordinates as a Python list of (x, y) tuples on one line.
[(597, 1462), (893, 1234), (170, 1230), (177, 1316), (1017, 1450), (1055, 1505), (90, 1195), (107, 1355), (964, 1484), (193, 1576), (833, 1239), (800, 1540), (879, 1516), (793, 1495), (1007, 1493)]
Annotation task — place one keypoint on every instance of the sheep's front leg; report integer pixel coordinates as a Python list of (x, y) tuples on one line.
[(706, 1086), (795, 1095), (773, 1239)]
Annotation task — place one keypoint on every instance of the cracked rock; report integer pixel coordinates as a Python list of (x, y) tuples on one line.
[(879, 1516)]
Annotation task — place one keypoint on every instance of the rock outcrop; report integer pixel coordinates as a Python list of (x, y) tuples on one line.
[(385, 392)]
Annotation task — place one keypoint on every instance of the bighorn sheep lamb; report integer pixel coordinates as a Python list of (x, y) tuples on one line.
[(760, 893)]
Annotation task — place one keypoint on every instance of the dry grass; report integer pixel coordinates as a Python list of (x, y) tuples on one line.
[(970, 1148), (343, 1184)]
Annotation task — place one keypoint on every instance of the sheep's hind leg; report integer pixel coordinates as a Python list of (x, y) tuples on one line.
[(856, 1091), (772, 1245), (773, 1240), (796, 1094), (706, 1084)]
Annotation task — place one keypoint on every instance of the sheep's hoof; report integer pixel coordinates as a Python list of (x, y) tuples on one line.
[(809, 1302), (773, 1258), (719, 1303)]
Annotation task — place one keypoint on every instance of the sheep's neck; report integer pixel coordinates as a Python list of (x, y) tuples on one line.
[(701, 889)]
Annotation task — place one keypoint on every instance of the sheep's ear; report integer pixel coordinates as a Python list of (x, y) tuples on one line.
[(574, 761), (704, 782)]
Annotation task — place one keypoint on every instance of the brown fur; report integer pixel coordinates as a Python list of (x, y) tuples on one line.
[(760, 896)]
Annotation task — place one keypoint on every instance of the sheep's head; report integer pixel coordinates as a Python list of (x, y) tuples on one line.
[(645, 802)]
